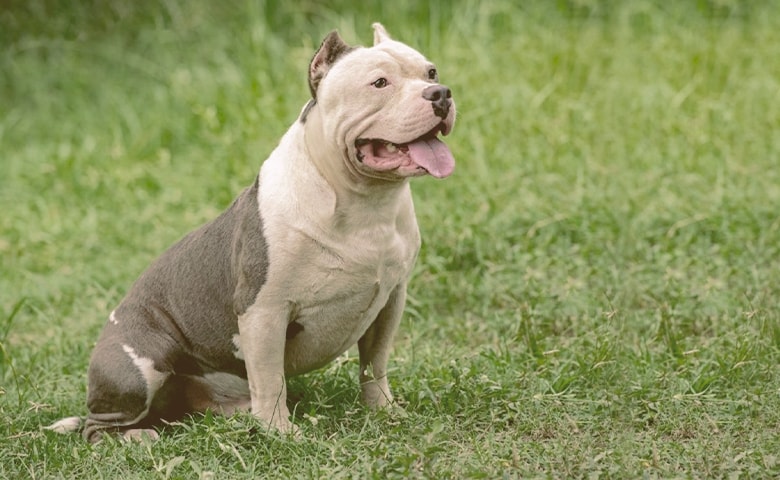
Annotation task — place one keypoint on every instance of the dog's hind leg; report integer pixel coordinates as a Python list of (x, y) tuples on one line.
[(122, 387)]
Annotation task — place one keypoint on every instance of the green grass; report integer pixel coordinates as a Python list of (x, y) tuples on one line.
[(597, 293)]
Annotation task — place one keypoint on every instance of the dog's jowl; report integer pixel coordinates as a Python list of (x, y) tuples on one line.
[(312, 258)]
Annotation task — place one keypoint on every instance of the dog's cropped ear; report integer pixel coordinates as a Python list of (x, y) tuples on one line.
[(380, 34), (332, 48)]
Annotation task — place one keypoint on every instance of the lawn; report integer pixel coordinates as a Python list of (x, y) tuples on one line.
[(598, 289)]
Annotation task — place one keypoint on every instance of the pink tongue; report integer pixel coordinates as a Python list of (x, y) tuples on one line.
[(433, 155)]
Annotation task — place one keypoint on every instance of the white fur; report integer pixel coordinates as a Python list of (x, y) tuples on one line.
[(335, 255), (334, 258), (237, 343), (138, 434), (341, 239), (66, 425), (154, 379)]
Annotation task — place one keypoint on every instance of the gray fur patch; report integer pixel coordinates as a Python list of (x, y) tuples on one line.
[(178, 320), (250, 252), (189, 299), (306, 110)]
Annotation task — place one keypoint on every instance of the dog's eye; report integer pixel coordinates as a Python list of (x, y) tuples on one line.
[(380, 82), (433, 75)]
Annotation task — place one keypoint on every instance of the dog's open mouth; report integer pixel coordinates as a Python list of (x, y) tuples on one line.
[(424, 154)]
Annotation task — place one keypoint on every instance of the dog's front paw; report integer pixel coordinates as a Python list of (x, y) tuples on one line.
[(281, 425), (289, 429)]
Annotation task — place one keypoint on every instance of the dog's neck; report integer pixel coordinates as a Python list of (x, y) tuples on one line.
[(325, 192), (349, 184)]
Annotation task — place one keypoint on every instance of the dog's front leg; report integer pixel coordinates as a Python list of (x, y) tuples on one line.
[(262, 332), (374, 349)]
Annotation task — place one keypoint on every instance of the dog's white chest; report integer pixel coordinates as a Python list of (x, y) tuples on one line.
[(336, 273), (339, 293)]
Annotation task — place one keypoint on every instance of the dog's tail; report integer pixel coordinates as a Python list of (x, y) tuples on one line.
[(67, 425)]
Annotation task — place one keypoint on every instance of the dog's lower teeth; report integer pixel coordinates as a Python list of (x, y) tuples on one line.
[(391, 147)]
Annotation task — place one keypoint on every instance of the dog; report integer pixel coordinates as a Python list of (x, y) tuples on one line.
[(312, 258)]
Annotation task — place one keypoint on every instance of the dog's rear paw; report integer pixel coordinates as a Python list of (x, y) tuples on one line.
[(138, 434), (66, 425)]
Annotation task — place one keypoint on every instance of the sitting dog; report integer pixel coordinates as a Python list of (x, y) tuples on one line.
[(310, 259)]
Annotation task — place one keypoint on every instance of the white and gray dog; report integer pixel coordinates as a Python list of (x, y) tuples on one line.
[(313, 257)]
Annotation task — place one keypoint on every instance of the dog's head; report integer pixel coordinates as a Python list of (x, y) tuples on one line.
[(383, 107)]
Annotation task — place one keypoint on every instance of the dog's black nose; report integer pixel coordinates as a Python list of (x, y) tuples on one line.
[(439, 95)]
